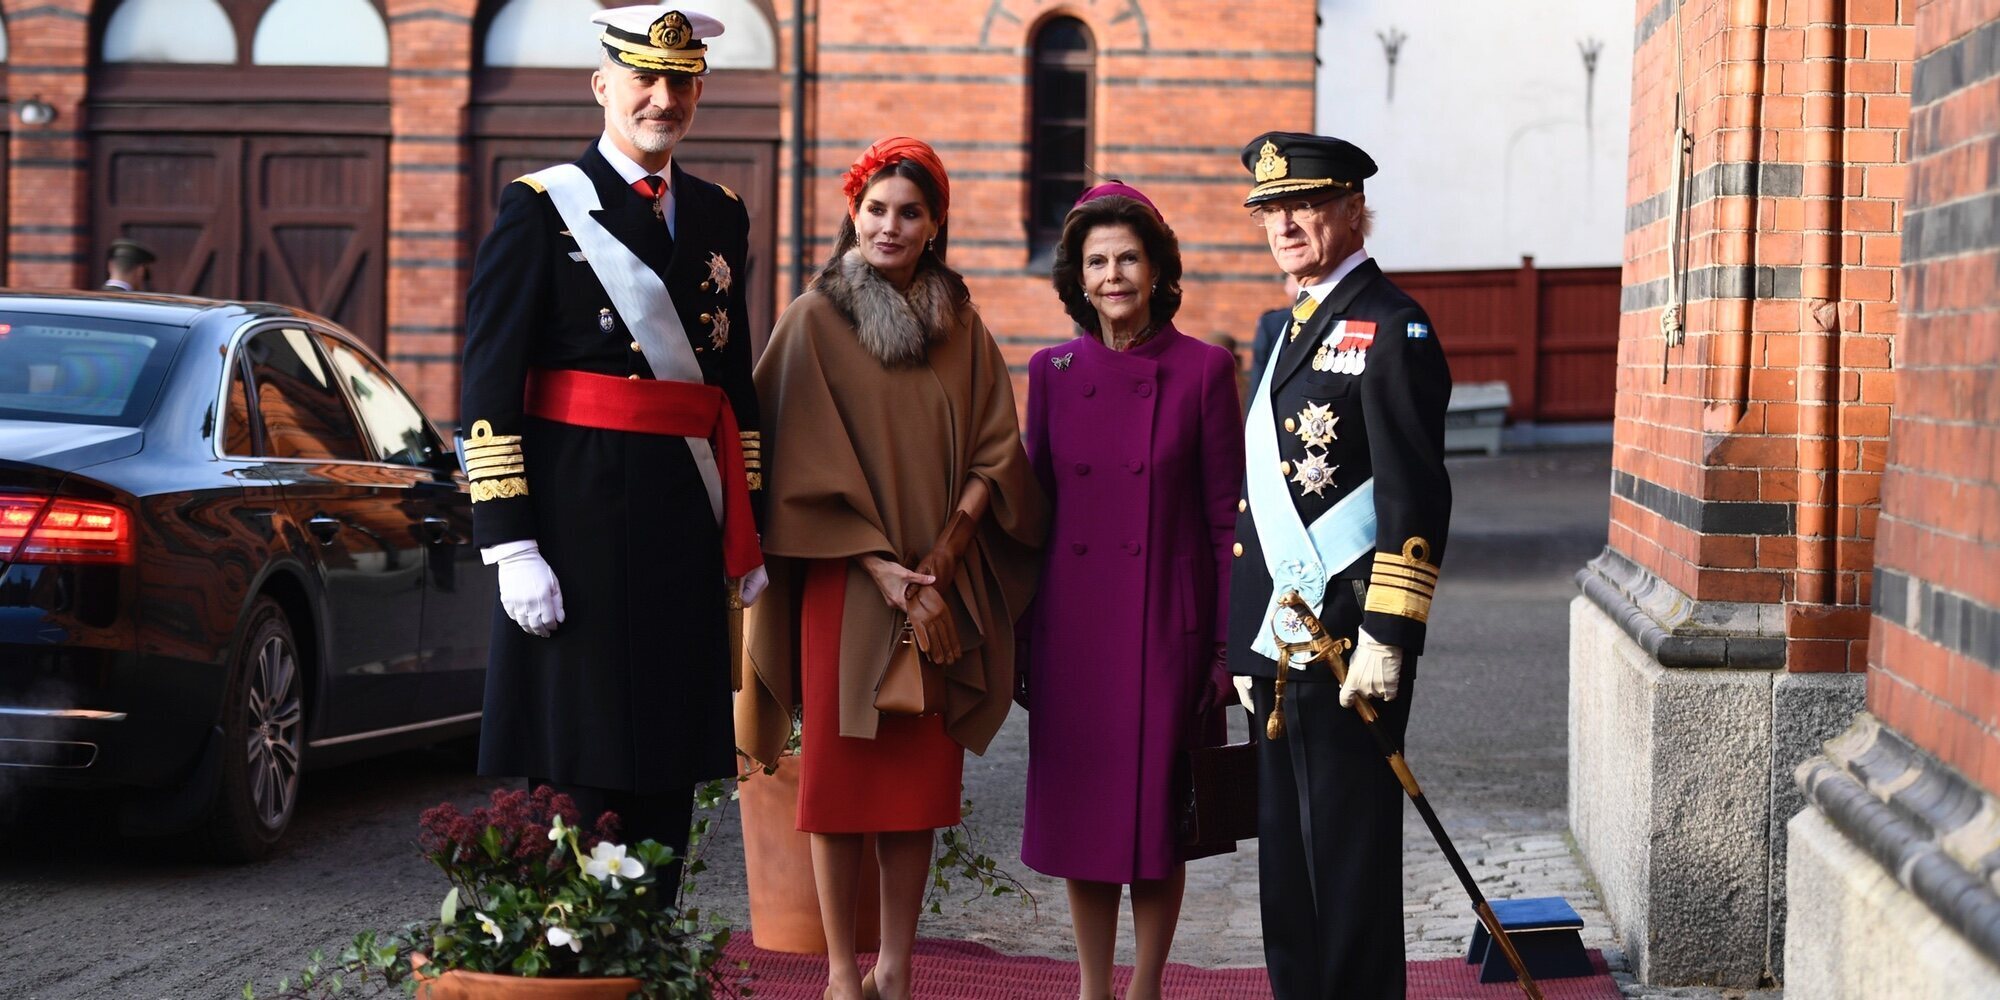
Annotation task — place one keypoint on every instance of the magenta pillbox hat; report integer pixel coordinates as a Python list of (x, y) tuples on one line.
[(1117, 187)]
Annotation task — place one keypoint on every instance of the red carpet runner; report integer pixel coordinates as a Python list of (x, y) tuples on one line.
[(961, 970)]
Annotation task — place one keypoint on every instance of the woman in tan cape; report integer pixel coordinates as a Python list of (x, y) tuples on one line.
[(895, 481)]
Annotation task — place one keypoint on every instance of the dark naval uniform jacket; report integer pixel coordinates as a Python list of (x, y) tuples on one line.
[(1359, 394), (632, 691), (1389, 426)]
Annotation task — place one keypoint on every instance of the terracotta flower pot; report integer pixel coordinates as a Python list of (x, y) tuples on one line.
[(777, 860), (458, 984)]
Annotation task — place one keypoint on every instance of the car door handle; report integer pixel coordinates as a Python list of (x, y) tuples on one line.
[(324, 527), (437, 528)]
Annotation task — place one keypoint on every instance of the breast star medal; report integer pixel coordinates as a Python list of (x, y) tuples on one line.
[(1316, 423), (718, 273), (1313, 474), (718, 334)]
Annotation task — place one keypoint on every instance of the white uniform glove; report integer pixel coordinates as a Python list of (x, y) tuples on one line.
[(1243, 692), (751, 585), (529, 592), (1375, 671)]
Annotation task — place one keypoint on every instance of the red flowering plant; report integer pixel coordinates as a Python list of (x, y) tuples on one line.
[(536, 894)]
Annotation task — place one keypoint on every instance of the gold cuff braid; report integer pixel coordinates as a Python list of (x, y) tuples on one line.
[(1404, 584), (499, 489)]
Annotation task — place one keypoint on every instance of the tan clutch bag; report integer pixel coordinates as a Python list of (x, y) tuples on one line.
[(911, 685)]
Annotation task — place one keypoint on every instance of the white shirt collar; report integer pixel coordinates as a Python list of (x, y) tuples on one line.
[(123, 286), (1319, 291), (630, 172)]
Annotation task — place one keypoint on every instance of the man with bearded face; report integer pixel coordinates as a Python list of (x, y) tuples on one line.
[(612, 443)]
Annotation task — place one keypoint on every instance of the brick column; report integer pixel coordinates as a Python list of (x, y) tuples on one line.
[(1721, 634), (48, 238), (1893, 878), (430, 242)]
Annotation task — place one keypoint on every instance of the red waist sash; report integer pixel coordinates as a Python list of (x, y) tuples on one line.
[(673, 409)]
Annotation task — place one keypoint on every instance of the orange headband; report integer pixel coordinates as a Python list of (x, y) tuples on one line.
[(891, 150)]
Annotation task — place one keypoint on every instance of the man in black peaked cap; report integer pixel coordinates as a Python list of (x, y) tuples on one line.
[(1346, 502)]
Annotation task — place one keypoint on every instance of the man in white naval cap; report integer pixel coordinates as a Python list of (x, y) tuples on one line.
[(612, 443)]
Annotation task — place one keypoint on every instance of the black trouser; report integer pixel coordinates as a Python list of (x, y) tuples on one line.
[(1330, 846), (661, 816)]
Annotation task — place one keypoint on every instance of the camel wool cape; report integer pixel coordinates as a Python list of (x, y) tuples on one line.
[(864, 457)]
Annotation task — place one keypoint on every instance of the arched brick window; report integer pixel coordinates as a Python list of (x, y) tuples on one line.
[(1062, 95)]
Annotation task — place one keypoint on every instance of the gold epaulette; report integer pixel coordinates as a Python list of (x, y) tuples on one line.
[(1403, 585), (532, 181), (495, 464), (753, 457), (731, 194)]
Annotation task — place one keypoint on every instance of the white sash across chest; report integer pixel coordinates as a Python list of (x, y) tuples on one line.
[(640, 295)]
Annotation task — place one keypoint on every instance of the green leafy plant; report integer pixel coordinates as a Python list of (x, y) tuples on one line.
[(535, 894), (958, 856)]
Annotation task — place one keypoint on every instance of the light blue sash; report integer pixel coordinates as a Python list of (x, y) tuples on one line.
[(1299, 558)]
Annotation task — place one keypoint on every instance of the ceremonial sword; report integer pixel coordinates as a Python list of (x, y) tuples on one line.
[(1318, 647)]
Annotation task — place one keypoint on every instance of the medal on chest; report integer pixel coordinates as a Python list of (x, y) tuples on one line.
[(1344, 349)]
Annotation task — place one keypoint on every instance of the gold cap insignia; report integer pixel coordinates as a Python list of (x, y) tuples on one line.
[(1270, 166), (670, 31)]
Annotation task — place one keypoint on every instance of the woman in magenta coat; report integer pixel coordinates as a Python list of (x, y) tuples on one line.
[(1134, 431)]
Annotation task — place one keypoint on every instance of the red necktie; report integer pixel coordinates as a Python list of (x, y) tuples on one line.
[(649, 187)]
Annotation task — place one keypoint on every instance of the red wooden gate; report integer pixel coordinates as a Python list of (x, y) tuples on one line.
[(1550, 333)]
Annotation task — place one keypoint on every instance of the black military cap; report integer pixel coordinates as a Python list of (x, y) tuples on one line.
[(1285, 163), (129, 253)]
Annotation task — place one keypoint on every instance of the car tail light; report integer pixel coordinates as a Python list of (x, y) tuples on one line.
[(43, 529)]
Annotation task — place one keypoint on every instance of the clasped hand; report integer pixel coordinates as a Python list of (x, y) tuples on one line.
[(917, 596)]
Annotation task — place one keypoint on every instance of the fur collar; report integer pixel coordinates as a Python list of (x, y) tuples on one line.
[(896, 327)]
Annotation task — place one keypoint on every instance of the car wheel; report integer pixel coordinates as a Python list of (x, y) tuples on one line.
[(263, 732)]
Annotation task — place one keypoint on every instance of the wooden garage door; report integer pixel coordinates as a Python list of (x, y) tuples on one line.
[(291, 219)]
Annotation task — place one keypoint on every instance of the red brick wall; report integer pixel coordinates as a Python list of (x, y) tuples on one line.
[(430, 248), (1935, 659), (1176, 99), (1762, 435), (48, 236)]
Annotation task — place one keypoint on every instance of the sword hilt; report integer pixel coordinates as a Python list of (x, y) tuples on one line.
[(1317, 647)]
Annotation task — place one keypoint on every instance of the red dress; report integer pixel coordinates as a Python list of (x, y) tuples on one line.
[(909, 777)]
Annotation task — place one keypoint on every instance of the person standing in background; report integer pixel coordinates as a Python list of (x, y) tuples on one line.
[(128, 266)]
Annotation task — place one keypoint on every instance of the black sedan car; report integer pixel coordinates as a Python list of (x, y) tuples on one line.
[(231, 546)]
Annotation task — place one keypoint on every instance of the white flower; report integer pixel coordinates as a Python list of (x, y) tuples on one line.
[(608, 861), (561, 936), (556, 829), (486, 924)]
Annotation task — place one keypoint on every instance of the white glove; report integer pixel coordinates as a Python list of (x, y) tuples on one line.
[(1375, 671), (751, 585), (1242, 682), (528, 591)]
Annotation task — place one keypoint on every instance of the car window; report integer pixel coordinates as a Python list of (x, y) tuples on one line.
[(236, 430), (392, 422), (81, 369), (303, 413)]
